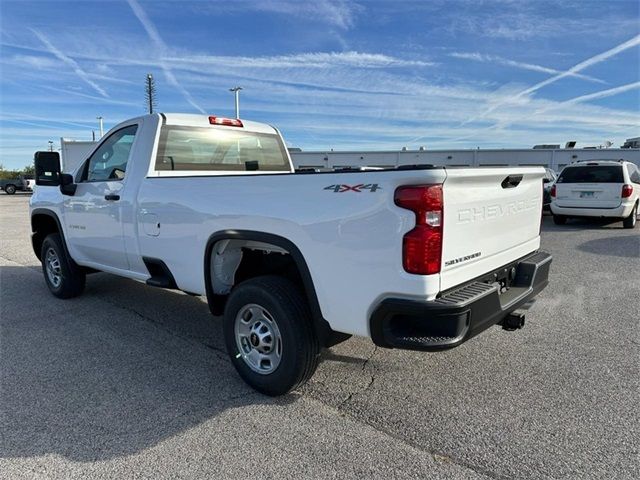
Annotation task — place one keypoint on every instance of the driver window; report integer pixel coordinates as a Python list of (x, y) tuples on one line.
[(109, 162)]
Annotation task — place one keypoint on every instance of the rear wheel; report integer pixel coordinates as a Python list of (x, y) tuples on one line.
[(269, 335), (630, 221), (10, 189), (63, 276), (559, 219)]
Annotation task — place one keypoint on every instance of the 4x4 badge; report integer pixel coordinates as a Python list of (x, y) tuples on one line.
[(340, 188)]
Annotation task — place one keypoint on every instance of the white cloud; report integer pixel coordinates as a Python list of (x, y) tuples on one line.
[(46, 122), (594, 96), (303, 60), (338, 13), (111, 101), (479, 57), (601, 57), (353, 92), (335, 99), (71, 63), (154, 35), (37, 62), (528, 21)]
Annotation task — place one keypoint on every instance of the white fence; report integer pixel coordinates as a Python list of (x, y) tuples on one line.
[(554, 159)]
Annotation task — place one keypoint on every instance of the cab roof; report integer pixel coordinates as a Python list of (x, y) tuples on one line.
[(194, 120)]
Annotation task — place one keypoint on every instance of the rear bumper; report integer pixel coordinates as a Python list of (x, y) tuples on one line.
[(462, 313), (621, 211)]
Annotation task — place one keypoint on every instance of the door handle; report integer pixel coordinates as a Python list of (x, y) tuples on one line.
[(112, 197)]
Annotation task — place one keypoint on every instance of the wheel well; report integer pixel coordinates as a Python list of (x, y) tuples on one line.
[(263, 262), (234, 261), (234, 256), (42, 225)]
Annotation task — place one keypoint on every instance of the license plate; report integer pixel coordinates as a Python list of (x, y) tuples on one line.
[(586, 194)]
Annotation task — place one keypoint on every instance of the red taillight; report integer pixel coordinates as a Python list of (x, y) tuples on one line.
[(553, 191), (229, 122), (422, 246), (627, 190)]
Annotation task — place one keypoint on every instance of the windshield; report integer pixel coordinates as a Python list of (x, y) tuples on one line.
[(592, 174), (219, 149)]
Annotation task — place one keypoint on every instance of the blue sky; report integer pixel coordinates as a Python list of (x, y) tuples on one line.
[(329, 73)]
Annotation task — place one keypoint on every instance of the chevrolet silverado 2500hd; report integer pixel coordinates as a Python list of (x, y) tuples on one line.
[(414, 257)]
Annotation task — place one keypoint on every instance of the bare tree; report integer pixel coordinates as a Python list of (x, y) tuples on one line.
[(150, 93)]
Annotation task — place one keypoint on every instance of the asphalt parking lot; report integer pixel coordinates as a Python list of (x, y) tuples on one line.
[(129, 381)]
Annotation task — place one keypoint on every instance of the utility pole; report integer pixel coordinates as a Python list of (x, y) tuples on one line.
[(101, 127), (150, 92), (236, 91)]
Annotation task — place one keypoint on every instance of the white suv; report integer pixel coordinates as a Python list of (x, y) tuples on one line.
[(597, 188)]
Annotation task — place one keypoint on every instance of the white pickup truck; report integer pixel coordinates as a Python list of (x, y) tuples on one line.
[(416, 257)]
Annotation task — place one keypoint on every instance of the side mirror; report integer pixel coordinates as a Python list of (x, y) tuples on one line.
[(546, 180), (47, 166), (67, 186)]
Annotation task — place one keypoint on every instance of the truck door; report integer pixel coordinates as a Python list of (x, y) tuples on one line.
[(94, 215)]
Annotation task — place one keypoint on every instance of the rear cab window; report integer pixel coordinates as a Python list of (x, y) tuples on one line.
[(592, 174), (219, 151)]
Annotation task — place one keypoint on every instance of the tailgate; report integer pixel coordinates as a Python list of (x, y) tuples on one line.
[(589, 195), (491, 217)]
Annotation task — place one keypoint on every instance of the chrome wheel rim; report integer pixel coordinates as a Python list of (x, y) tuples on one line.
[(258, 339), (52, 264)]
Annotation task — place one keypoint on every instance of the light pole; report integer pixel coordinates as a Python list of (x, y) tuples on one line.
[(236, 91), (101, 128), (50, 146)]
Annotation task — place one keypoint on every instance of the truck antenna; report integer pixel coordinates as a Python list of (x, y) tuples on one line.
[(150, 92)]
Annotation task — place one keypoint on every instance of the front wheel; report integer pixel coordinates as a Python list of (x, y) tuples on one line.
[(269, 335), (630, 221), (64, 278), (559, 219), (10, 189)]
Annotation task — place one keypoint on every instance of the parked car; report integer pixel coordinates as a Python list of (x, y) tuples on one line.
[(30, 181), (12, 185), (547, 182), (597, 188), (416, 257)]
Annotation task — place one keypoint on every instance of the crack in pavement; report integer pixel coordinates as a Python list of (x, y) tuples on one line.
[(369, 384), (438, 457)]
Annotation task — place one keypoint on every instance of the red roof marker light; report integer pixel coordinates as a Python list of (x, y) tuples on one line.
[(228, 122)]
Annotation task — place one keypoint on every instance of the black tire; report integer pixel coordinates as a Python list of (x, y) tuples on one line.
[(10, 189), (630, 221), (67, 279), (287, 307), (559, 219)]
